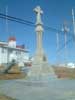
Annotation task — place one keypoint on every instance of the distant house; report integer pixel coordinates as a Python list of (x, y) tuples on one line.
[(11, 51), (71, 65)]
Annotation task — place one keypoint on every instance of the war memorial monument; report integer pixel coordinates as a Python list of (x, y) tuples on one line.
[(41, 71)]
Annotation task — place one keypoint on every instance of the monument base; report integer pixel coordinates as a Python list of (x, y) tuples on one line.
[(41, 73)]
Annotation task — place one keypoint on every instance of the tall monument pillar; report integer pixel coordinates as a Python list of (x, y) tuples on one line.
[(39, 56), (40, 71)]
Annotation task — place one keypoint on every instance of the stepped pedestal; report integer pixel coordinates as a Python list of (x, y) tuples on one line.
[(41, 71)]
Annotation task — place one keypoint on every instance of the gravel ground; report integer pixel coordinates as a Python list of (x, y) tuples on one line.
[(55, 90)]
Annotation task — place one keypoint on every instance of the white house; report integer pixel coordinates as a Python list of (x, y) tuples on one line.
[(71, 65), (11, 51)]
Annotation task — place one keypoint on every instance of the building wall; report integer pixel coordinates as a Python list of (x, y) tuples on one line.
[(12, 44), (7, 55), (3, 55), (0, 56), (20, 56)]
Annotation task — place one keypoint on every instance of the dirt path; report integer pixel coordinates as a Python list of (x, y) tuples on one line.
[(57, 90)]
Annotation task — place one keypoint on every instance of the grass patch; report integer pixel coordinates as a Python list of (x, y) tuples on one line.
[(10, 76), (64, 72), (3, 97)]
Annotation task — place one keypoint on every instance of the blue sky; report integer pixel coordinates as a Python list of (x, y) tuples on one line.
[(55, 12)]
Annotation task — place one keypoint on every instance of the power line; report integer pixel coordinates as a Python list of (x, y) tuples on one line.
[(19, 19), (22, 21), (60, 49), (16, 21), (29, 23)]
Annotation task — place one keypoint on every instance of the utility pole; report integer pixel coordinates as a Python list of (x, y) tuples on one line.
[(7, 33), (57, 47), (73, 19), (6, 19), (65, 30)]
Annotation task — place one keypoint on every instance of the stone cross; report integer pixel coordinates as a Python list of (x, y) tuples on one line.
[(39, 33), (38, 11)]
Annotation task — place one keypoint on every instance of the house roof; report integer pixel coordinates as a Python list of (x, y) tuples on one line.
[(12, 38)]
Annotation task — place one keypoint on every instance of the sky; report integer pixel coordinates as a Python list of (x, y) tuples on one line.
[(55, 13)]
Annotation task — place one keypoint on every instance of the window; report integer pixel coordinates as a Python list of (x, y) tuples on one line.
[(18, 52), (3, 50), (10, 50)]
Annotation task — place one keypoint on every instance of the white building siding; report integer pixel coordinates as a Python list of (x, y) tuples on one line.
[(0, 56), (9, 51), (3, 55), (4, 51), (8, 54)]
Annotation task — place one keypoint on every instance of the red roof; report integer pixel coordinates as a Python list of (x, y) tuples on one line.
[(2, 44), (12, 39), (20, 46)]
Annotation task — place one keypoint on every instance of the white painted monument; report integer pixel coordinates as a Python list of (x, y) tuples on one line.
[(40, 70)]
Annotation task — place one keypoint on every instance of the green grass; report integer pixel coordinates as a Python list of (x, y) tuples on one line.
[(64, 72), (4, 97)]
